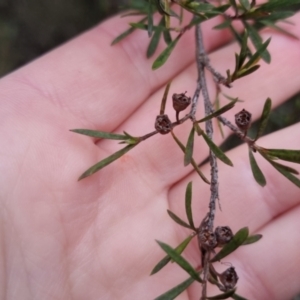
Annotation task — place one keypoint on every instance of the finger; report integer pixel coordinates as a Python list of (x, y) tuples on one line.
[(243, 201), (97, 83), (162, 156), (270, 268)]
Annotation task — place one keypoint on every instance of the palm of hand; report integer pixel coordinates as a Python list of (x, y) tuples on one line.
[(94, 239)]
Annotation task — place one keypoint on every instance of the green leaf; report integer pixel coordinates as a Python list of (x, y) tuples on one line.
[(245, 71), (252, 239), (284, 170), (238, 297), (103, 163), (219, 111), (167, 37), (126, 33), (236, 241), (182, 262), (234, 5), (153, 43), (100, 134), (278, 4), (176, 291), (244, 50), (223, 25), (194, 164), (178, 220), (179, 249), (164, 99), (278, 28), (150, 20), (264, 118), (188, 154), (225, 295), (285, 173), (257, 173), (284, 154), (163, 57), (257, 54), (245, 4), (216, 150), (257, 41), (188, 204), (154, 40)]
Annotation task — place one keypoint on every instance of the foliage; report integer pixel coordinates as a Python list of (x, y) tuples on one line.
[(253, 17)]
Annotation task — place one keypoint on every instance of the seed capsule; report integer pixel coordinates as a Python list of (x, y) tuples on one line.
[(229, 278), (163, 124), (180, 101), (243, 119), (223, 235), (207, 239)]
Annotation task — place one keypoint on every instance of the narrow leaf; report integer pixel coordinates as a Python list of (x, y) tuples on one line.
[(245, 71), (278, 4), (188, 154), (264, 118), (100, 134), (154, 41), (216, 150), (237, 297), (280, 29), (164, 99), (188, 204), (176, 291), (225, 295), (252, 239), (284, 170), (285, 173), (179, 249), (126, 33), (103, 163), (150, 19), (244, 51), (236, 241), (182, 262), (257, 42), (167, 37), (194, 164), (257, 54), (257, 173), (163, 57), (284, 154), (245, 4), (219, 111), (223, 25), (176, 219)]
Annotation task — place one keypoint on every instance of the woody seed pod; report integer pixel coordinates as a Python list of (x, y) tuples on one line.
[(163, 124), (229, 278), (243, 119), (207, 239), (180, 101), (223, 235)]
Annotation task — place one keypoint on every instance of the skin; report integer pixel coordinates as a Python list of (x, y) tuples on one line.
[(94, 239)]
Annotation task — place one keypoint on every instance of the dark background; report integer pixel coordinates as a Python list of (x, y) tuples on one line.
[(29, 28)]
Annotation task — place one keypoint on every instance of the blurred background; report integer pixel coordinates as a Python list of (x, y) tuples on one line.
[(29, 28)]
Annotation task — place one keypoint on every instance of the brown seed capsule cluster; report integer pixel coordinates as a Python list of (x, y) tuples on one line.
[(229, 278), (243, 119), (223, 235), (163, 124), (207, 239), (180, 101)]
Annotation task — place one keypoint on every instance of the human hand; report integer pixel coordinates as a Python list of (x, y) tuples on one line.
[(94, 239)]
